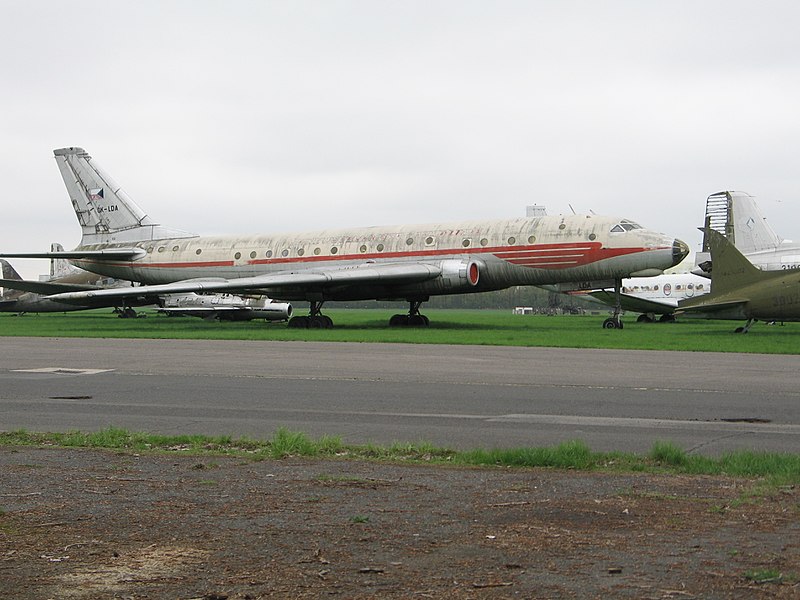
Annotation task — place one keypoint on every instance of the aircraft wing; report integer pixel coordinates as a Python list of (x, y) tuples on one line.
[(316, 279), (634, 303), (45, 287), (108, 254), (710, 306)]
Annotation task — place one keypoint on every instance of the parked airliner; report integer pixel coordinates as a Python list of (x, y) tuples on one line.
[(400, 262)]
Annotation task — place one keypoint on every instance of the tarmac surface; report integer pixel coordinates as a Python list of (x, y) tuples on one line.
[(453, 396)]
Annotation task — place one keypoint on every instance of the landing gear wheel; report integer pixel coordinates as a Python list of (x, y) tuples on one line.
[(299, 322), (398, 321), (418, 321), (612, 323), (314, 320), (413, 319), (666, 319), (320, 322), (644, 319)]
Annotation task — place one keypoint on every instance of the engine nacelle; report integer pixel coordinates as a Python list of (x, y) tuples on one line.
[(275, 311), (458, 275)]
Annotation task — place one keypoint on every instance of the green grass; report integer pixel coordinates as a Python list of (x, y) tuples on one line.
[(481, 327), (772, 469), (766, 576)]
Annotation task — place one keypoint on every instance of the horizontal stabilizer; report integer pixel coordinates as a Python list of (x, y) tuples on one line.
[(712, 306), (45, 287), (108, 254)]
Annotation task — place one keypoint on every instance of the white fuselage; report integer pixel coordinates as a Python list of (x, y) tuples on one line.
[(525, 251), (667, 289)]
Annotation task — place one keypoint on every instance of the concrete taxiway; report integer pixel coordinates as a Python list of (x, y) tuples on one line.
[(455, 396)]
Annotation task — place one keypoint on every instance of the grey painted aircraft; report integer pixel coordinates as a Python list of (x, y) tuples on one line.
[(25, 296), (402, 262), (740, 290), (225, 307)]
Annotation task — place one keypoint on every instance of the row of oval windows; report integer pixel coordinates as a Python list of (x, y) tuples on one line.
[(655, 288), (466, 243)]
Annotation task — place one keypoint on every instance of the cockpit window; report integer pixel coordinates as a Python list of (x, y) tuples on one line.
[(630, 225), (625, 225)]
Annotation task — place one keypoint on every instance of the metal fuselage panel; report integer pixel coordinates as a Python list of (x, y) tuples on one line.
[(777, 300), (511, 252)]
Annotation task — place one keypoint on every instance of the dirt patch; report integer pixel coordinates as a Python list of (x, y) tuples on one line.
[(95, 524)]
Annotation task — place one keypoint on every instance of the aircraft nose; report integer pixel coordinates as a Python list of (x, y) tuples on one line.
[(680, 250)]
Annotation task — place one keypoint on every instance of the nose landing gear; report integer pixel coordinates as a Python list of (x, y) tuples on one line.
[(614, 322)]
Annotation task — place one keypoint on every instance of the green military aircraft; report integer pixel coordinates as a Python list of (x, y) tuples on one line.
[(740, 290)]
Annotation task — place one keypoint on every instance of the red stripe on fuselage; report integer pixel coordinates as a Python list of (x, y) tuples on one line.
[(543, 256)]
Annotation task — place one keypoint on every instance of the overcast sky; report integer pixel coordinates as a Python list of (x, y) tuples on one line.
[(254, 117)]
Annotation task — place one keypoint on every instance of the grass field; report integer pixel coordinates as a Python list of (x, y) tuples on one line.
[(776, 469), (482, 327)]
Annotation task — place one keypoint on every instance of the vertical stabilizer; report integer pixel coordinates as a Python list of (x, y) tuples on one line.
[(59, 267), (105, 212), (736, 216), (731, 268), (8, 271)]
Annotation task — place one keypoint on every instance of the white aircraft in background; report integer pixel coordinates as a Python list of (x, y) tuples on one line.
[(653, 296), (736, 216), (225, 307), (402, 262)]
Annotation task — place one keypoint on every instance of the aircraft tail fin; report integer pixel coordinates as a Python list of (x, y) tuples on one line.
[(731, 268), (59, 267), (9, 272), (105, 212), (736, 216)]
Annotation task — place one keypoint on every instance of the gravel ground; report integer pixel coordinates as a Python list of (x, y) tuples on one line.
[(98, 524)]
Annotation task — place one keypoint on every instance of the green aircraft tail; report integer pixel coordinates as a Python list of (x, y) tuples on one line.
[(730, 268)]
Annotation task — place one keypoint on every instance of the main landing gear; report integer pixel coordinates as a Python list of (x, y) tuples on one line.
[(614, 322), (412, 319), (746, 327), (314, 320), (125, 312)]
